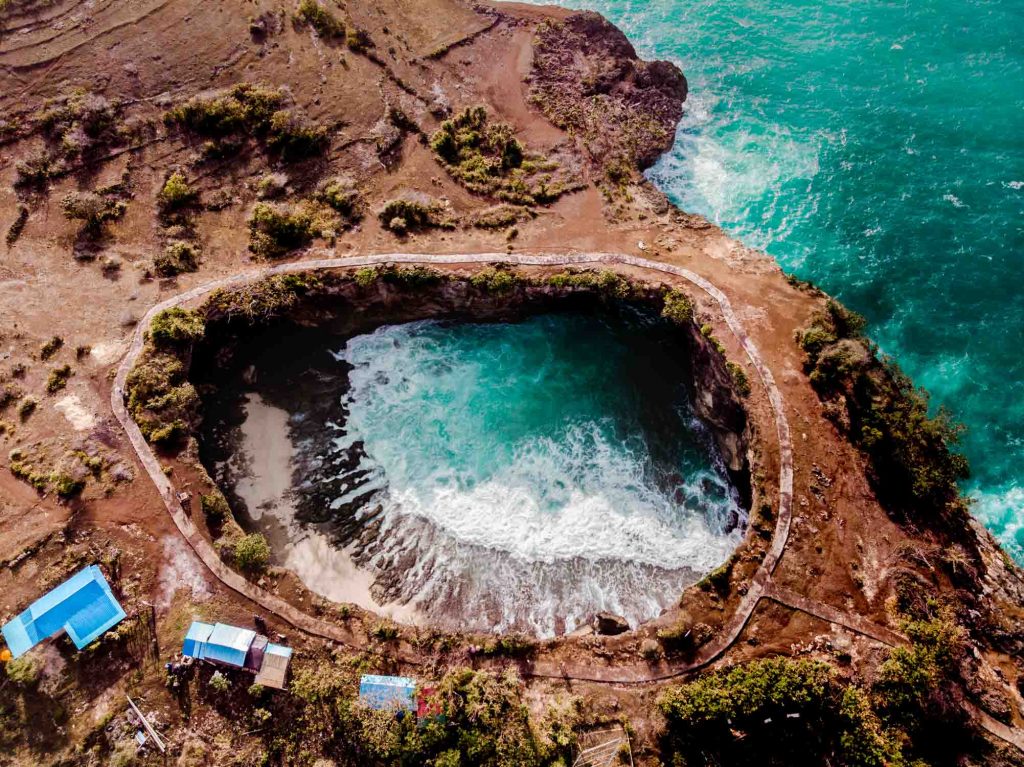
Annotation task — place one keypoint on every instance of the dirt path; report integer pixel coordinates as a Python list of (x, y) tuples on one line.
[(760, 587)]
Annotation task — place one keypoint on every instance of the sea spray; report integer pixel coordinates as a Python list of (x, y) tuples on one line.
[(874, 148), (532, 474)]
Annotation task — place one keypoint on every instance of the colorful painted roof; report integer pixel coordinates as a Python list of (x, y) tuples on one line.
[(83, 605), (387, 692)]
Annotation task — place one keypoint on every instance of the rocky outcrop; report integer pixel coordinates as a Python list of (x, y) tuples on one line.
[(610, 624), (586, 78)]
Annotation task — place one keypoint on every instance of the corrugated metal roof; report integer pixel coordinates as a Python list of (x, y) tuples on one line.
[(274, 669), (227, 644), (196, 638), (387, 692), (83, 605)]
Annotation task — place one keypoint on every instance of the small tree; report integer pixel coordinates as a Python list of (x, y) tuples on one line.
[(252, 553), (176, 192), (92, 208), (219, 683)]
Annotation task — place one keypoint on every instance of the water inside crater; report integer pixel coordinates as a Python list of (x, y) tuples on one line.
[(488, 476)]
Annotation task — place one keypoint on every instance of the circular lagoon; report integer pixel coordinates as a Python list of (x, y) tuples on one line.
[(491, 476)]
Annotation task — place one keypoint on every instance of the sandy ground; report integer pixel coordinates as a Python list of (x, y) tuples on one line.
[(309, 554)]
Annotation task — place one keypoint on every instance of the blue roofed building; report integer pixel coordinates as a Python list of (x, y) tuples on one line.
[(83, 606), (240, 648), (387, 693)]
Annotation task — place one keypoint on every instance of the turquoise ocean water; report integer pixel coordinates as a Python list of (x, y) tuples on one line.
[(541, 470), (876, 148)]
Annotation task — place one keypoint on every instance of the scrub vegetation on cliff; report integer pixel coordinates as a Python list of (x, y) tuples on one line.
[(914, 464)]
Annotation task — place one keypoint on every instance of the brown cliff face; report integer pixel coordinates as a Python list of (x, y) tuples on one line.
[(586, 78)]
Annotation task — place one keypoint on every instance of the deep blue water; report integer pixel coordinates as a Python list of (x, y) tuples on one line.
[(876, 148)]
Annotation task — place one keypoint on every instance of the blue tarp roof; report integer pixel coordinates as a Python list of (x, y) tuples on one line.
[(220, 642), (387, 692), (83, 606)]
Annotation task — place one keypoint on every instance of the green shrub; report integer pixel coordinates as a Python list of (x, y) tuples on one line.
[(27, 408), (176, 193), (358, 40), (294, 137), (320, 19), (245, 108), (178, 257), (252, 553), (17, 226), (24, 672), (502, 216), (493, 280), (275, 231), (219, 683), (385, 631), (92, 208), (58, 379), (407, 215), (263, 300), (176, 327), (65, 485), (215, 506), (51, 347), (913, 466), (340, 195), (677, 307), (739, 378), (9, 394), (774, 711), (486, 158)]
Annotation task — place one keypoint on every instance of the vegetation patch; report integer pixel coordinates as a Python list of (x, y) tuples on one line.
[(913, 464), (412, 214), (176, 327), (58, 379), (93, 209), (249, 109), (502, 216), (776, 711), (487, 158), (16, 228), (178, 257), (176, 193), (276, 230), (312, 14)]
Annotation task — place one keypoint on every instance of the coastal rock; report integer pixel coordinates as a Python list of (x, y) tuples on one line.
[(610, 624), (586, 78)]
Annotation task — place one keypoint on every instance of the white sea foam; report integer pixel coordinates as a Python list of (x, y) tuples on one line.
[(554, 529), (1002, 512)]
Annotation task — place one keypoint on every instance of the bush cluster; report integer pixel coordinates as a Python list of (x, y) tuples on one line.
[(275, 230), (58, 379), (176, 193), (913, 463), (487, 159), (178, 257), (176, 327), (478, 718), (320, 19), (252, 553), (91, 208), (775, 711), (410, 215), (249, 109)]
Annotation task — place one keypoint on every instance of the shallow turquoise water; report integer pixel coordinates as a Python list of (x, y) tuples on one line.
[(876, 148), (535, 472)]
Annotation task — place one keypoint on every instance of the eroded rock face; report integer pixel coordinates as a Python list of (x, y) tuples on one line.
[(610, 624), (586, 77)]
